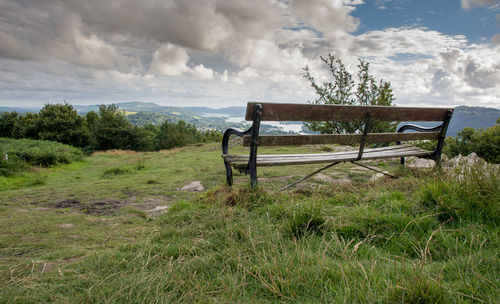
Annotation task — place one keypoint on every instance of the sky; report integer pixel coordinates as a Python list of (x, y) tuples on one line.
[(220, 53)]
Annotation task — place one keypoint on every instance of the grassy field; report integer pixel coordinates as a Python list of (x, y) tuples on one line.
[(115, 228)]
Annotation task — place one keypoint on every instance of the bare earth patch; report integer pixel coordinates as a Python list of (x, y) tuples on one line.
[(152, 205), (97, 208)]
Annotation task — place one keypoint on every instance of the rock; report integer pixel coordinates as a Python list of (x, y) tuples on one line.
[(66, 226), (194, 186), (323, 178), (463, 165), (376, 176), (422, 163), (159, 208), (469, 160)]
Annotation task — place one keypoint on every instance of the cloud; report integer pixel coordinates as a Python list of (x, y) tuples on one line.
[(429, 67), (331, 18), (172, 60), (62, 36), (169, 60), (392, 41), (468, 4), (226, 51)]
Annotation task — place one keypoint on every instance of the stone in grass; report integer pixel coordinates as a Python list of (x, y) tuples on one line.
[(194, 186), (422, 163)]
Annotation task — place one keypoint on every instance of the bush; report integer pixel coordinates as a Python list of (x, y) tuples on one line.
[(108, 129), (61, 123), (23, 153), (485, 142), (171, 135)]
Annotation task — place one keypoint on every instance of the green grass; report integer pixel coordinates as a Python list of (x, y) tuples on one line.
[(426, 237), (20, 154)]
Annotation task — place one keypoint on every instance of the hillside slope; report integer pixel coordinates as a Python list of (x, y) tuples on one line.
[(117, 228)]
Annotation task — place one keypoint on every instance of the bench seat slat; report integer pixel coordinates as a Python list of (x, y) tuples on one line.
[(389, 148), (240, 161), (342, 139), (321, 112)]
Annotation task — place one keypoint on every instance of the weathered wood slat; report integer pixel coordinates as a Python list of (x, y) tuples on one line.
[(319, 161), (314, 112), (342, 139), (327, 158), (240, 161), (388, 148)]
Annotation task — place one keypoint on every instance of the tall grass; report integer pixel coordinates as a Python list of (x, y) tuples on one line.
[(471, 194)]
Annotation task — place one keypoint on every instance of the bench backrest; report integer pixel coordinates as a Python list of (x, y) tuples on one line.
[(313, 112)]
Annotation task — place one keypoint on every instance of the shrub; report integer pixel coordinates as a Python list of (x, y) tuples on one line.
[(178, 134), (23, 153), (486, 143), (115, 171)]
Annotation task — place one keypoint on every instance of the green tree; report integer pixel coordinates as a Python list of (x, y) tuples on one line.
[(343, 90), (178, 134), (463, 143), (28, 126), (61, 123), (212, 136), (112, 130), (486, 143), (8, 122)]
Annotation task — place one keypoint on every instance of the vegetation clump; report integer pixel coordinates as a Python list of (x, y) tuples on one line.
[(103, 130), (19, 154), (484, 142)]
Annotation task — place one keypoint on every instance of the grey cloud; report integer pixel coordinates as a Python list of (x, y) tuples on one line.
[(10, 47), (194, 24), (55, 33), (482, 77)]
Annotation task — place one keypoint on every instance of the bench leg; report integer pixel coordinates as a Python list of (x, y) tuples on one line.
[(253, 178), (376, 170), (229, 173), (308, 176)]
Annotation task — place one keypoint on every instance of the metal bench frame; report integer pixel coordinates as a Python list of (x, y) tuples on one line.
[(253, 133)]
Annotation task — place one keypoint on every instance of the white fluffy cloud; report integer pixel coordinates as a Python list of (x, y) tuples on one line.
[(221, 52)]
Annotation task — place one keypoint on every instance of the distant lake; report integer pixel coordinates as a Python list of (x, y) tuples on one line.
[(296, 127)]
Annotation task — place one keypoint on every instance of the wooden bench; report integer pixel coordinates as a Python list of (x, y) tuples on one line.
[(257, 112)]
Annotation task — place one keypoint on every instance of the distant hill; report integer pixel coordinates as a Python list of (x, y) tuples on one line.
[(19, 110), (149, 112), (474, 117)]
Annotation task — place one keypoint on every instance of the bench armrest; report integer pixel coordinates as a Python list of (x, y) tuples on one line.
[(442, 128), (418, 128), (228, 133), (225, 149)]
